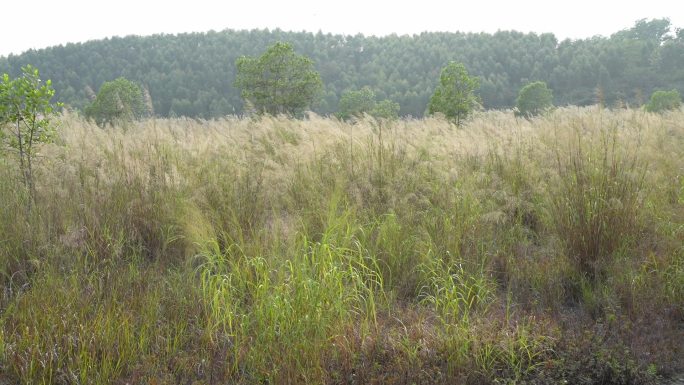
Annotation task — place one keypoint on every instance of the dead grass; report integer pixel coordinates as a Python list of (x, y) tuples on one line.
[(312, 251)]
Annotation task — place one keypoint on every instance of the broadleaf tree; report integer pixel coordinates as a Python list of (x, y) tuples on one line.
[(455, 95), (386, 109), (26, 119), (355, 103), (534, 99), (278, 82), (117, 102), (663, 101)]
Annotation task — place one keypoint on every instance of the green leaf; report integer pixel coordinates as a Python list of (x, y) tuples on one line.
[(534, 99), (118, 101), (278, 82), (455, 94)]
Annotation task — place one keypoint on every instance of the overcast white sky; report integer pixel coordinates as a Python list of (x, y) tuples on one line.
[(43, 23)]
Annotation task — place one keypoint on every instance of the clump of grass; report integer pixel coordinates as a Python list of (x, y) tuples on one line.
[(60, 331), (455, 292), (674, 281), (279, 314), (597, 199)]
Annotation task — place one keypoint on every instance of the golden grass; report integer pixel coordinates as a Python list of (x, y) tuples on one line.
[(319, 251)]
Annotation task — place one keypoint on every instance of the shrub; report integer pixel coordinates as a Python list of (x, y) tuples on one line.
[(663, 101), (534, 99), (118, 101), (356, 103)]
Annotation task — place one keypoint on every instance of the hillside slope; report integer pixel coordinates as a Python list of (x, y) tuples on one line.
[(192, 74)]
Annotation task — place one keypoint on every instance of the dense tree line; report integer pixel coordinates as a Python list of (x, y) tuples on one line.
[(194, 74)]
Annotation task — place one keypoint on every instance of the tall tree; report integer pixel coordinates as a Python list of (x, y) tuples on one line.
[(279, 81), (455, 95)]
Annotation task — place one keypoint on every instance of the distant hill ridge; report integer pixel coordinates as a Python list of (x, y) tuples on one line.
[(192, 74)]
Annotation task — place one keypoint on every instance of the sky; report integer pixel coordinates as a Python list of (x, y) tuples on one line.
[(46, 23)]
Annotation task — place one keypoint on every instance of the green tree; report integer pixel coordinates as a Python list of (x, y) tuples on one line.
[(656, 30), (385, 109), (455, 94), (363, 101), (26, 119), (664, 100), (118, 101), (200, 68), (356, 103), (533, 99), (278, 82)]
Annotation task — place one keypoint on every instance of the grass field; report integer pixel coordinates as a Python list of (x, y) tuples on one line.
[(285, 252)]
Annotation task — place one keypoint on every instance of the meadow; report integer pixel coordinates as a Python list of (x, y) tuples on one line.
[(279, 251)]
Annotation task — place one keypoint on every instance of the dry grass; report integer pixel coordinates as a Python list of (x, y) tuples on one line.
[(310, 251)]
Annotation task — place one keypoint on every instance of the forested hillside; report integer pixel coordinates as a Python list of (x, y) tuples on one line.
[(192, 74)]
